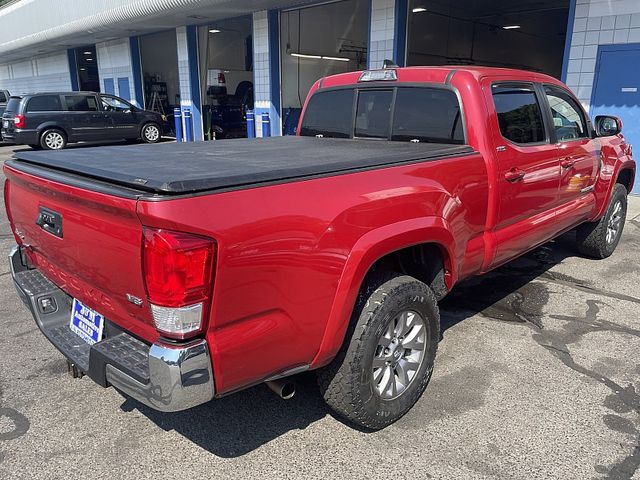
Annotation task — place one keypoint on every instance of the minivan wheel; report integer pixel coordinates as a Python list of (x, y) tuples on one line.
[(151, 133), (53, 139), (387, 358)]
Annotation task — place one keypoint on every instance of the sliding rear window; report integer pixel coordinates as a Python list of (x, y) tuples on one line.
[(403, 114)]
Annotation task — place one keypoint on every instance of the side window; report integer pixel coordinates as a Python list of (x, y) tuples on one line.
[(3, 97), (568, 121), (519, 113), (44, 103), (114, 104), (81, 103)]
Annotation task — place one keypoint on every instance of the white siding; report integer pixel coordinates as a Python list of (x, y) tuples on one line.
[(39, 74)]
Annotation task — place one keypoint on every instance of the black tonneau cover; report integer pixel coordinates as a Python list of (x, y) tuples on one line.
[(180, 168)]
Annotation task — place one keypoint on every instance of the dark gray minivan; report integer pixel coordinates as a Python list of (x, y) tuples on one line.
[(51, 120)]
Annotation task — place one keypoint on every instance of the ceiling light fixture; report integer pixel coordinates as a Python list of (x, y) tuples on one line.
[(88, 59), (511, 27), (87, 53), (214, 30), (320, 57), (419, 10)]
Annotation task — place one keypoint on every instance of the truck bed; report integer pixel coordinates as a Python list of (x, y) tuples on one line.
[(183, 168)]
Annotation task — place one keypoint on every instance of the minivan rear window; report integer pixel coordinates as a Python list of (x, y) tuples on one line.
[(44, 103), (13, 104)]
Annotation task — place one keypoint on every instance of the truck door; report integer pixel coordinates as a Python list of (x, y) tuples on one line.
[(578, 153), (527, 168)]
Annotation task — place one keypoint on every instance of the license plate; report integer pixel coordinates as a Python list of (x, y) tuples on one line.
[(5, 124), (86, 323)]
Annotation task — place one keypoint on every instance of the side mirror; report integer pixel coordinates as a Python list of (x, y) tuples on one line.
[(608, 126)]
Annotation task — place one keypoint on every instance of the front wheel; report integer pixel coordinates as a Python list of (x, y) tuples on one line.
[(386, 361), (53, 139), (150, 133), (600, 239)]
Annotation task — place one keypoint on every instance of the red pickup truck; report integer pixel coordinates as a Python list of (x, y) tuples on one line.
[(178, 273)]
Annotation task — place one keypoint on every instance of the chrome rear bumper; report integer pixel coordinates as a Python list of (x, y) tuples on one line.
[(163, 376)]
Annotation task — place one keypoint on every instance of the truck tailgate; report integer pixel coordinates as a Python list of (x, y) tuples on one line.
[(89, 245)]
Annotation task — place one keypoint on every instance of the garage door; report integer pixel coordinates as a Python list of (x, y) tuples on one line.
[(617, 89)]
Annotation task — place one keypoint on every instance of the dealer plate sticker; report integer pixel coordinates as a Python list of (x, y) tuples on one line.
[(86, 323)]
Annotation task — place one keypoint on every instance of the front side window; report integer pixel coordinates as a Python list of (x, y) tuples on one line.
[(81, 103), (329, 114), (568, 122), (44, 103), (519, 113), (114, 104)]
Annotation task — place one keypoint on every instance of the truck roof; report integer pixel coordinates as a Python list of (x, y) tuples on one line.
[(440, 74)]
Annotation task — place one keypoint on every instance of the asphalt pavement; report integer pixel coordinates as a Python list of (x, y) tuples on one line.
[(537, 377)]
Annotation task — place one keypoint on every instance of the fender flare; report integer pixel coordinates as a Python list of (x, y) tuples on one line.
[(604, 194), (365, 252)]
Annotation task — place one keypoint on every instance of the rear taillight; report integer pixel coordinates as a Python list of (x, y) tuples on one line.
[(221, 79), (178, 273), (18, 121)]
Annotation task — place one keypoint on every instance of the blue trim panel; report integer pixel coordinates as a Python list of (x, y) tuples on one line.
[(124, 91), (136, 67), (607, 48), (194, 80), (109, 86), (567, 41), (400, 33), (273, 22), (73, 69)]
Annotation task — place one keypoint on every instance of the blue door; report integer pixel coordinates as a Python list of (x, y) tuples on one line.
[(616, 90)]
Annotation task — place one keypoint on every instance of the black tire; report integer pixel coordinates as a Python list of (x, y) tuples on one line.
[(594, 239), (347, 384), (53, 139), (150, 133)]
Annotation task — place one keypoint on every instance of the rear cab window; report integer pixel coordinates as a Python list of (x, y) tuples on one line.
[(44, 103), (398, 113), (519, 113)]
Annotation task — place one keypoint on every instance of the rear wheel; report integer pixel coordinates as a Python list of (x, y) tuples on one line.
[(386, 361), (53, 139), (600, 239), (150, 133)]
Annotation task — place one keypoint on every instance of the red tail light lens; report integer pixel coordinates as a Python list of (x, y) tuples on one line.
[(18, 121), (178, 273), (178, 267), (221, 79)]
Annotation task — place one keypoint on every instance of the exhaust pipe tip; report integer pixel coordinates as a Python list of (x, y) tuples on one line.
[(283, 388)]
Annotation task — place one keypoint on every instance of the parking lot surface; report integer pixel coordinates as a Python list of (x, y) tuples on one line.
[(537, 376)]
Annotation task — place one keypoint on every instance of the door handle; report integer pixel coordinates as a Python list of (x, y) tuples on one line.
[(567, 163), (514, 175)]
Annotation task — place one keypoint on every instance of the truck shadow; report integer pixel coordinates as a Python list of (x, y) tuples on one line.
[(240, 423)]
